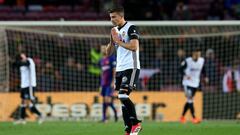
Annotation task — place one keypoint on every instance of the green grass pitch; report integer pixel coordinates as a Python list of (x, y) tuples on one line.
[(91, 128)]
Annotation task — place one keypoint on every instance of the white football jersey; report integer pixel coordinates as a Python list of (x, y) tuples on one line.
[(127, 59), (193, 72), (28, 75)]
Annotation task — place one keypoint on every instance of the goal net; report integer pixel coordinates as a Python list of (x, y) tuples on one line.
[(67, 54)]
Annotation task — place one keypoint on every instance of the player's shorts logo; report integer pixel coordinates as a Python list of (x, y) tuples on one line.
[(124, 79)]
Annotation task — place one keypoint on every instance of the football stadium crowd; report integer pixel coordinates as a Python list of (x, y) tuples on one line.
[(96, 9)]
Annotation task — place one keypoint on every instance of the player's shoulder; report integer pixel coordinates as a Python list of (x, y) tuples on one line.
[(30, 59), (130, 26), (201, 59), (188, 59)]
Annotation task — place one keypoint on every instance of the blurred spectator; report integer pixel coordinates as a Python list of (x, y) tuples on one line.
[(228, 80), (158, 61), (178, 59), (147, 55), (216, 11), (69, 75), (236, 71), (181, 12), (95, 57), (230, 3), (158, 12), (96, 9), (157, 80), (82, 77), (94, 69), (47, 78), (212, 67), (227, 15)]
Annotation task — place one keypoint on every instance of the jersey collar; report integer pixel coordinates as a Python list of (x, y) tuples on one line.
[(119, 28)]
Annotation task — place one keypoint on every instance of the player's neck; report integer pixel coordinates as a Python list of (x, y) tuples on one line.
[(122, 24), (195, 59)]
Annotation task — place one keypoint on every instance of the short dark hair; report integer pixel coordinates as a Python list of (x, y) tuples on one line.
[(18, 57), (118, 9), (196, 49)]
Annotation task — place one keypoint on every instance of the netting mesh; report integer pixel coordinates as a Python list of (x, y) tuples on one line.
[(67, 59), (4, 77)]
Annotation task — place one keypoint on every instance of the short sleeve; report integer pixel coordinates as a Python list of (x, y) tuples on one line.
[(133, 32)]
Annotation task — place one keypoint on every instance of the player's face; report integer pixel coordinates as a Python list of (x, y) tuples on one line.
[(196, 55), (116, 18), (23, 56)]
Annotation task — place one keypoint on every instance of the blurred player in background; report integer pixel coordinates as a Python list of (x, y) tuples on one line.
[(125, 37), (191, 68), (28, 85), (108, 64)]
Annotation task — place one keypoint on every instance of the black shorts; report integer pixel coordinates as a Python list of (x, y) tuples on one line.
[(127, 79), (190, 91), (27, 93)]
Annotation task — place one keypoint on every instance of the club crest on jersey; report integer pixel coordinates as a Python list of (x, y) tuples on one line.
[(124, 79), (123, 33)]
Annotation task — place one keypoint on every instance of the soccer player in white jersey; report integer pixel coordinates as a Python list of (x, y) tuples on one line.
[(28, 85), (125, 38), (192, 68)]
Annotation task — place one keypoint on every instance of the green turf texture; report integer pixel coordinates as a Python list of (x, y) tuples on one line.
[(91, 128)]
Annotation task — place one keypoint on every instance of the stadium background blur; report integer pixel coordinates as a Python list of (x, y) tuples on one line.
[(95, 9), (67, 64)]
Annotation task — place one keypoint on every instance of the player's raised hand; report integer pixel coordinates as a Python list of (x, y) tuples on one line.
[(115, 35)]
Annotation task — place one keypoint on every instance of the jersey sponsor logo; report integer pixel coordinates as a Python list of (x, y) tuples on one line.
[(195, 69), (105, 67)]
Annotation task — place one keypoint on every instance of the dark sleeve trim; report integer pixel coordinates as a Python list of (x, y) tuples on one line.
[(23, 63), (183, 66), (133, 32)]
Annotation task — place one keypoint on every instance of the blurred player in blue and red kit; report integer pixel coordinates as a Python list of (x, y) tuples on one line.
[(107, 82)]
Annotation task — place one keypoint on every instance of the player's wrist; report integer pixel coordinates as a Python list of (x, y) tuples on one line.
[(120, 43)]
